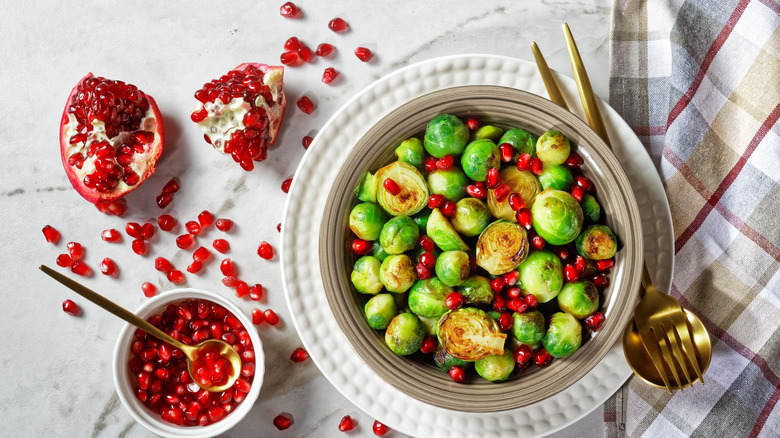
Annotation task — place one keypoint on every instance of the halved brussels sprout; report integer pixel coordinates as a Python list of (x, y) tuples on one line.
[(440, 230), (501, 247), (591, 209), (523, 141), (496, 367), (553, 147), (580, 299), (397, 273), (522, 182), (469, 333), (556, 177), (366, 220), (541, 274), (378, 252), (597, 242), (411, 151), (430, 325), (528, 327), (414, 190), (453, 267), (445, 361), (477, 291), (366, 188), (557, 216), (405, 334), (471, 217), (399, 234), (445, 135), (379, 310), (427, 298), (365, 275), (450, 183), (478, 157), (564, 335), (489, 132)]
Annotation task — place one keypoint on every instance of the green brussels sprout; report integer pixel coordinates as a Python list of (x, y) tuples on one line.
[(378, 252), (445, 361), (397, 273), (580, 299), (366, 220), (427, 298), (405, 334), (501, 247), (414, 190), (471, 217), (469, 333), (430, 325), (522, 182), (440, 230), (379, 310), (541, 274), (477, 291), (556, 177), (521, 140), (557, 216), (528, 327), (591, 210), (399, 234), (553, 147), (450, 183), (366, 188), (365, 275), (478, 157), (564, 335), (489, 132), (421, 219), (596, 242), (453, 267), (411, 151), (445, 135), (496, 367)]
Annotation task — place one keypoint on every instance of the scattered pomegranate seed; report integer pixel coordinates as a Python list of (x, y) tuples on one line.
[(71, 308), (436, 201), (230, 281), (227, 268), (454, 300), (162, 264), (537, 242), (305, 104), (445, 162), (570, 274), (256, 292), (429, 344), (265, 250), (523, 355), (166, 222), (391, 186), (289, 58), (289, 10), (457, 374), (224, 224), (193, 227), (286, 185), (338, 25), (185, 241), (299, 355), (175, 276), (497, 284), (449, 208), (306, 141), (499, 303), (139, 247), (147, 231), (205, 218), (361, 247), (518, 305), (194, 267), (493, 178), (524, 161), (324, 49), (108, 267), (329, 75), (601, 281), (292, 44), (510, 278), (75, 250), (201, 254), (422, 272), (111, 235), (363, 54), (279, 227), (505, 321), (524, 218), (258, 317), (428, 260), (51, 234), (542, 358), (380, 429), (306, 53), (476, 191), (242, 289), (346, 424), (605, 265), (80, 268), (532, 301), (562, 253), (501, 192), (430, 164), (536, 166), (472, 123), (516, 201), (594, 321), (64, 260), (164, 199), (221, 245), (580, 264), (134, 230), (172, 186), (426, 243), (282, 421), (271, 317), (577, 193), (574, 161)]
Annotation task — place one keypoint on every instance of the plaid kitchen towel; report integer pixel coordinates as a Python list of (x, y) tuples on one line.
[(699, 82)]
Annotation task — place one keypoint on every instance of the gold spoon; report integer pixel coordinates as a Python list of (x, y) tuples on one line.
[(193, 353)]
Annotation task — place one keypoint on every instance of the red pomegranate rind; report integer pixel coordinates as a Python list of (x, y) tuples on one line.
[(240, 113), (111, 136)]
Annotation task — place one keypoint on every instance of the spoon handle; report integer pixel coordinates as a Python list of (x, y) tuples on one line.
[(112, 307)]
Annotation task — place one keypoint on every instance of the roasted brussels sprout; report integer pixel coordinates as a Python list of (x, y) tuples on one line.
[(440, 230), (379, 310), (399, 234), (445, 361), (427, 298), (580, 299), (564, 335), (541, 274), (471, 217), (450, 183), (411, 151), (445, 135), (429, 323), (596, 242), (405, 334), (378, 252), (397, 273), (591, 210), (488, 132), (553, 147), (477, 291), (365, 275), (501, 247), (556, 177), (557, 216), (524, 183), (413, 196), (453, 267), (496, 367), (421, 219), (528, 327), (366, 220), (366, 188), (478, 157), (523, 141), (469, 333)]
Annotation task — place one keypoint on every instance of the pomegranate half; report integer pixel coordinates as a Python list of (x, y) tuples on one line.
[(111, 136)]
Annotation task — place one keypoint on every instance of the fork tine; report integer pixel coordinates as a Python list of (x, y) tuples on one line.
[(677, 351), (663, 342), (689, 348), (654, 351)]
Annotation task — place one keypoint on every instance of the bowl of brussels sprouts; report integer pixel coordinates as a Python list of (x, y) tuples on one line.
[(482, 248)]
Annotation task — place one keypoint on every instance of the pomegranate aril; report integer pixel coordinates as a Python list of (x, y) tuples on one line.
[(289, 58), (271, 317), (329, 75), (51, 234), (473, 123), (265, 250), (426, 243), (501, 192), (193, 227), (224, 224), (139, 246), (531, 301), (256, 292), (292, 44), (454, 300), (305, 104), (185, 241), (201, 254), (594, 321), (364, 54), (493, 178), (429, 344), (577, 192), (134, 230), (71, 308), (601, 281), (147, 231), (360, 247), (604, 265), (570, 274), (194, 267), (428, 260), (175, 276), (524, 218), (111, 235), (166, 222), (286, 185), (346, 423), (445, 162), (584, 182), (299, 355), (282, 422), (580, 264), (514, 292), (516, 201), (422, 272), (162, 264), (172, 186), (230, 281), (476, 191), (205, 218), (436, 201), (148, 289), (391, 186), (537, 242), (64, 260), (80, 268), (574, 161), (108, 267), (338, 25), (258, 317), (429, 164), (457, 374), (542, 358), (510, 278), (242, 289), (497, 284), (306, 141), (227, 268), (306, 53), (164, 199), (523, 355), (518, 305), (75, 250), (324, 49), (380, 429), (449, 208), (507, 152)]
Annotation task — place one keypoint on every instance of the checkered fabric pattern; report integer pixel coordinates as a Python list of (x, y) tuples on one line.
[(699, 82)]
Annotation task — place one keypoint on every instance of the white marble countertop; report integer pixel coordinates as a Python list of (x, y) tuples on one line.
[(59, 367)]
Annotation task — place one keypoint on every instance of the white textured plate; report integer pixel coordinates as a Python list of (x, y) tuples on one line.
[(306, 297)]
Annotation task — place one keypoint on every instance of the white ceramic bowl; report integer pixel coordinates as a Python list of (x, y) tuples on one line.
[(152, 420)]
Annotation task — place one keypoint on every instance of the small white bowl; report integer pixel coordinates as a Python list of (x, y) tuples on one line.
[(152, 420)]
